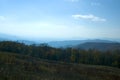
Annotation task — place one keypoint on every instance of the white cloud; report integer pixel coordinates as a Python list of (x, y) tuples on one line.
[(89, 17)]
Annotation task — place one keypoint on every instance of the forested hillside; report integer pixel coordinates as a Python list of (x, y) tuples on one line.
[(68, 55), (42, 62), (20, 67)]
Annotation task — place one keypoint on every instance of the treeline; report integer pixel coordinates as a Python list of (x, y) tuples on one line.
[(68, 55), (21, 67)]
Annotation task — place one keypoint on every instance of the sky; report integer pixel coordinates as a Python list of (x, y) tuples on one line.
[(61, 19)]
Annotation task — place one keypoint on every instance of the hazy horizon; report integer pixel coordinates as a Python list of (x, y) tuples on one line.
[(4, 36), (61, 19)]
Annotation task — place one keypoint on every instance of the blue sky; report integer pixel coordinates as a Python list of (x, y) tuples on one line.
[(61, 19)]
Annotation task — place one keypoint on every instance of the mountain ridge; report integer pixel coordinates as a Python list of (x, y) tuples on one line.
[(70, 43), (99, 46)]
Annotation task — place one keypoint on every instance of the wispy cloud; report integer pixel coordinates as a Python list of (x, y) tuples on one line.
[(2, 18), (72, 0), (89, 17), (95, 4)]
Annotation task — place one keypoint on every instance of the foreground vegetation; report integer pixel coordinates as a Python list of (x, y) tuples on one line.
[(20, 67), (41, 62)]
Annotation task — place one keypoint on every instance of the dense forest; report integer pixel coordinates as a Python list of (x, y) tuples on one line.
[(67, 55), (42, 62), (20, 67)]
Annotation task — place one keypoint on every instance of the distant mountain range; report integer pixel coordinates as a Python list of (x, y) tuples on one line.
[(78, 44), (102, 46), (71, 43), (8, 37)]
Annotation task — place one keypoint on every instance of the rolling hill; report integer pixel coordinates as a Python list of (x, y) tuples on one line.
[(102, 46), (20, 67), (71, 43)]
